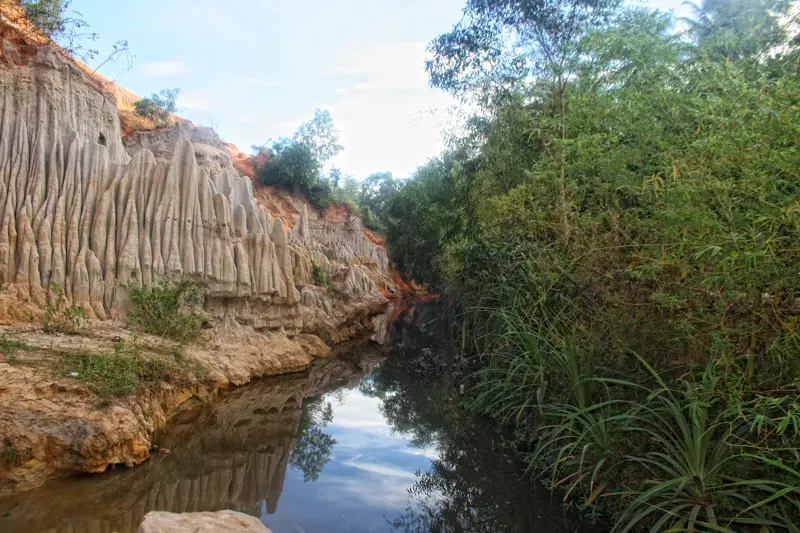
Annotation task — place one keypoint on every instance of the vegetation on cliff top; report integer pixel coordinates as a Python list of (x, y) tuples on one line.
[(618, 225)]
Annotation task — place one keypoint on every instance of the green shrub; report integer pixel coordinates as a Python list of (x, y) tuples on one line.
[(60, 317), (297, 163), (158, 107), (63, 25), (167, 310), (320, 275), (9, 348), (10, 457), (118, 373)]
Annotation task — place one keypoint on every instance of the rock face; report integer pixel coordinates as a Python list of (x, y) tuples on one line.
[(80, 210), (219, 522)]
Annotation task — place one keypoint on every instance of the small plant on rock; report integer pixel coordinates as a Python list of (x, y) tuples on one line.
[(167, 310), (158, 107), (59, 316), (10, 457), (9, 347), (320, 276)]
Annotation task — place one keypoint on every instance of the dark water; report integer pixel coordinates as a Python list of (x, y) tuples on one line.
[(358, 443)]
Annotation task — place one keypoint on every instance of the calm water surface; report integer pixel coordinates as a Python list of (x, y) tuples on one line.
[(355, 444)]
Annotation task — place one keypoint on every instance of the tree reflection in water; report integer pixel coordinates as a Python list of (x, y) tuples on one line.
[(312, 450), (477, 483)]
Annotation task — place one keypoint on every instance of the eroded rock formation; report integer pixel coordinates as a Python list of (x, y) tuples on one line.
[(82, 210)]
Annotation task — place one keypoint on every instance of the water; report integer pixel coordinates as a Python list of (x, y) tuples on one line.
[(355, 444)]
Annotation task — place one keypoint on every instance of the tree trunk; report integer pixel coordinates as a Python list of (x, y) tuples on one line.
[(562, 165)]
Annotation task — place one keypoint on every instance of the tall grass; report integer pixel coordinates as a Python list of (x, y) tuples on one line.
[(671, 450)]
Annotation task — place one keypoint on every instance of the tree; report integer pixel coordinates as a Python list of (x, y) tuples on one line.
[(320, 135), (66, 28), (736, 29), (297, 163), (499, 43), (158, 107), (376, 195)]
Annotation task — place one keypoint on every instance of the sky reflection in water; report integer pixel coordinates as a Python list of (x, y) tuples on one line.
[(366, 482)]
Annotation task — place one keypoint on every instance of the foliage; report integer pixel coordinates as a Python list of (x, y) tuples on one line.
[(167, 310), (9, 347), (61, 317), (375, 199), (320, 276), (10, 457), (62, 25), (158, 107), (118, 373), (297, 163), (312, 450), (636, 196)]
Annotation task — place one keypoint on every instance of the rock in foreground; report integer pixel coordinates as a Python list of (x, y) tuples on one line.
[(218, 522)]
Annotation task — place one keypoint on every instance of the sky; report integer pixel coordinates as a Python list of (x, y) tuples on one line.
[(256, 69)]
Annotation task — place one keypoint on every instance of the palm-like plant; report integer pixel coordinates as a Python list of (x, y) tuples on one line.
[(688, 485)]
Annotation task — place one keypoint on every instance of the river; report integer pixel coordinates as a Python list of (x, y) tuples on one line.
[(360, 442)]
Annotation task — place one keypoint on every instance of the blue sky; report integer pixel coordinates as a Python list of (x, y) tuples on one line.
[(256, 69)]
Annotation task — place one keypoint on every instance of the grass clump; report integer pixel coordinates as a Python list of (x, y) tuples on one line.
[(59, 316), (10, 457), (167, 310), (9, 347), (320, 276), (117, 373)]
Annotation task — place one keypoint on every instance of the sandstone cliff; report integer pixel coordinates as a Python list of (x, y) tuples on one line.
[(85, 210)]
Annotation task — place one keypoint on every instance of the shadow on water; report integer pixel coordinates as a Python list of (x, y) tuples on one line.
[(337, 446), (477, 483)]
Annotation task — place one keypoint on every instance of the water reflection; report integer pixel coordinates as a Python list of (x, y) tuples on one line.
[(231, 455), (344, 447), (475, 483)]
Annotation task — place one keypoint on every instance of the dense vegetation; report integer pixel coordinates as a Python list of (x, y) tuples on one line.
[(618, 225), (302, 164)]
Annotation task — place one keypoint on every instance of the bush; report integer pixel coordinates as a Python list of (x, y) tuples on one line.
[(118, 373), (297, 163), (320, 275), (63, 26), (9, 348), (60, 317), (158, 107), (166, 310)]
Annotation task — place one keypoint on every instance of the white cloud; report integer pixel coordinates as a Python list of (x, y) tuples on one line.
[(257, 83), (379, 470), (197, 100), (165, 68), (389, 117), (374, 491)]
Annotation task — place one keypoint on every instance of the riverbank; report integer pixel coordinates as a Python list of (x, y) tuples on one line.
[(230, 452), (56, 422)]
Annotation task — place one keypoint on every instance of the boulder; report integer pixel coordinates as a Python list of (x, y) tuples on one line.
[(217, 522)]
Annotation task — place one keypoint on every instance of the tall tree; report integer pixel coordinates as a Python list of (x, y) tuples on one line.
[(499, 44)]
